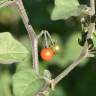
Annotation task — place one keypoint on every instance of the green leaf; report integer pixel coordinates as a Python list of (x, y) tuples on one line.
[(64, 9), (10, 49), (26, 42), (5, 83), (25, 64), (27, 83)]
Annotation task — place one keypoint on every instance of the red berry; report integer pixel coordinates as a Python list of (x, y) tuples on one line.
[(47, 54)]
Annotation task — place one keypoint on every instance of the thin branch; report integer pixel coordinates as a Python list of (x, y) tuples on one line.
[(92, 5), (31, 32), (82, 56), (6, 3), (49, 37), (29, 28), (40, 35), (84, 51), (43, 33), (46, 39)]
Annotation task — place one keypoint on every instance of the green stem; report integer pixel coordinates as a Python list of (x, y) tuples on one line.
[(6, 82)]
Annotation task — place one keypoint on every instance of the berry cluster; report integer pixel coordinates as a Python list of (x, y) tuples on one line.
[(49, 50)]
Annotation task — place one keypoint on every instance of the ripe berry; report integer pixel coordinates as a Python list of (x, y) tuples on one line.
[(47, 54)]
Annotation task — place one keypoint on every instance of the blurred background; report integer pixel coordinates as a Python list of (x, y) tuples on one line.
[(82, 80)]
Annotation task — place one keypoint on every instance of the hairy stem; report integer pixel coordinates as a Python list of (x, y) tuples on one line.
[(6, 3), (82, 56), (92, 5), (29, 28), (31, 32), (46, 40)]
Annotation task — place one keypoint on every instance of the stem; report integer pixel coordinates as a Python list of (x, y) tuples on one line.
[(6, 3), (82, 56), (84, 52), (46, 39), (41, 34), (49, 37), (6, 82), (29, 28), (92, 5), (46, 36), (31, 33)]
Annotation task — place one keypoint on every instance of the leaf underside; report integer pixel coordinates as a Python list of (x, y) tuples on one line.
[(11, 50), (27, 83), (64, 9)]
